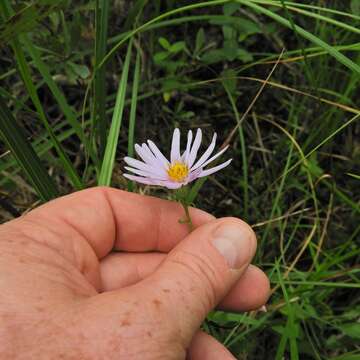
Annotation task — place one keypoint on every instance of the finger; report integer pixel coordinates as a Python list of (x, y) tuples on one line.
[(205, 347), (119, 270), (250, 293), (108, 218), (200, 271)]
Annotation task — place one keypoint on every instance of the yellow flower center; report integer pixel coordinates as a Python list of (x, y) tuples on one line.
[(178, 171)]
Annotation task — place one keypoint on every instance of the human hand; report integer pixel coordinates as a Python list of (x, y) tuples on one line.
[(65, 294)]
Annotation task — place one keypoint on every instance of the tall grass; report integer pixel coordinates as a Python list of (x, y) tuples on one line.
[(81, 82)]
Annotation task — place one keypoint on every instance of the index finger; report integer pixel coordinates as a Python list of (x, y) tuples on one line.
[(109, 218)]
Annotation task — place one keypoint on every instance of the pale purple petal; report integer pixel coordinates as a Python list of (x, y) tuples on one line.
[(194, 175), (175, 147), (156, 161), (206, 154), (171, 184), (146, 156), (195, 148), (144, 180), (213, 157), (154, 175), (138, 164), (155, 170), (143, 166), (158, 154), (149, 158), (186, 153), (214, 169), (139, 179)]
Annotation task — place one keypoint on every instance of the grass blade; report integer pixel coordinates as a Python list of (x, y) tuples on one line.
[(243, 150), (65, 108), (110, 150), (26, 19), (307, 35), (25, 155), (133, 106), (99, 115), (24, 70), (142, 27)]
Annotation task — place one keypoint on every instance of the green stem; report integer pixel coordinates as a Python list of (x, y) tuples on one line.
[(187, 216)]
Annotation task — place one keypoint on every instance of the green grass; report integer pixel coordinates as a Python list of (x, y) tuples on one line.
[(278, 79)]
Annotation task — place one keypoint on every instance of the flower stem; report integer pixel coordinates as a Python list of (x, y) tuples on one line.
[(187, 216)]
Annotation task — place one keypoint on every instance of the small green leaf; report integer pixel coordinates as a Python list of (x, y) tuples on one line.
[(247, 26), (229, 32), (355, 7), (80, 70), (229, 80), (164, 43), (176, 47), (244, 55), (214, 56), (171, 84), (230, 49), (200, 40), (161, 56), (230, 8), (351, 329)]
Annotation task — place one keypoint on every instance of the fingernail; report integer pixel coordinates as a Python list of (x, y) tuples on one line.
[(233, 242)]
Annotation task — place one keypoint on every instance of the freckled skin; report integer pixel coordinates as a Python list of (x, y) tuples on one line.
[(70, 312), (56, 302), (125, 323), (157, 303)]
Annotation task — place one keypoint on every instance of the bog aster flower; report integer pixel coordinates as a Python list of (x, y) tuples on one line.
[(155, 169)]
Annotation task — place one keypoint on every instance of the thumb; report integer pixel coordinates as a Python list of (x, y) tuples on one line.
[(201, 270)]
